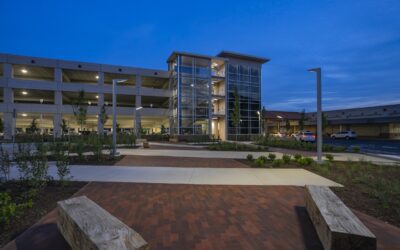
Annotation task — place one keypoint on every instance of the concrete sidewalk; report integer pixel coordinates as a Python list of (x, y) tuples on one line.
[(196, 176), (243, 154)]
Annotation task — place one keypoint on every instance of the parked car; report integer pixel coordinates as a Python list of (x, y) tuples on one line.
[(304, 136), (278, 135), (344, 135)]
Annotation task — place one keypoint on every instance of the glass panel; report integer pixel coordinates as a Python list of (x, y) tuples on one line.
[(246, 80)]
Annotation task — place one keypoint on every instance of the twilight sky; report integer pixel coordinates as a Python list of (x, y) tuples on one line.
[(357, 43)]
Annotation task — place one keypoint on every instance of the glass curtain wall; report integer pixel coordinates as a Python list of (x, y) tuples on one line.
[(246, 79), (191, 95)]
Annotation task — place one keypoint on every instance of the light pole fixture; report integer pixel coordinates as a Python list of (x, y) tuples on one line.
[(319, 114), (279, 123), (259, 121), (114, 112), (41, 118)]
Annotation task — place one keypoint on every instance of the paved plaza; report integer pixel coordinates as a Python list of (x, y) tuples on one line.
[(204, 217)]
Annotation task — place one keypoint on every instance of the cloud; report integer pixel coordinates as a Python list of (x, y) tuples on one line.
[(332, 103)]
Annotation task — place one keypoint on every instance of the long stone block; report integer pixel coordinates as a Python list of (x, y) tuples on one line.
[(336, 225), (85, 225)]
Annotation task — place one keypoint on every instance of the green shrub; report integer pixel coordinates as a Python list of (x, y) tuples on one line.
[(329, 157), (229, 146), (271, 156), (286, 159), (263, 157), (260, 161), (62, 160), (22, 157), (292, 144), (338, 149), (5, 163), (297, 156), (277, 162), (79, 148), (131, 139), (10, 208), (306, 161), (249, 157), (355, 149), (39, 168)]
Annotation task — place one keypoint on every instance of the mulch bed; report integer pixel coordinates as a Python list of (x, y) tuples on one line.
[(174, 147), (169, 161), (44, 203), (292, 151)]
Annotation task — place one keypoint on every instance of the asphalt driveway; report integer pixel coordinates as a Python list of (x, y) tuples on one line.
[(374, 146)]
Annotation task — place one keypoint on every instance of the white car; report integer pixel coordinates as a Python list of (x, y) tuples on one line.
[(304, 136), (278, 135), (344, 135)]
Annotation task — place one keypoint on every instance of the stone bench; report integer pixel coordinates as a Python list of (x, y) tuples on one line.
[(85, 225), (336, 225), (174, 140), (139, 141)]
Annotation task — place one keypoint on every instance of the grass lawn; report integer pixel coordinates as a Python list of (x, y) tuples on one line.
[(372, 189), (43, 203)]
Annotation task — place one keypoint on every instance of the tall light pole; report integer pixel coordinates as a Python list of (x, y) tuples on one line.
[(41, 120), (259, 121), (114, 112), (319, 114)]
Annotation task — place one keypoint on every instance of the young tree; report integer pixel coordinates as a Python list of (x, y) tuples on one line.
[(262, 117), (324, 122), (80, 109), (302, 119), (236, 113), (287, 125), (1, 125), (33, 128), (163, 130), (103, 117), (118, 127), (64, 126)]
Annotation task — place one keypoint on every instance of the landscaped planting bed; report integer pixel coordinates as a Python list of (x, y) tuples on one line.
[(293, 144), (370, 188), (40, 203), (229, 146)]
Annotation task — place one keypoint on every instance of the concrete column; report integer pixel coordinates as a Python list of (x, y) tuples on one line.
[(8, 97), (57, 120), (57, 117), (138, 104), (100, 102)]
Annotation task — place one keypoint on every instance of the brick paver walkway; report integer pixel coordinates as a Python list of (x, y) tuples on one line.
[(167, 161), (205, 217)]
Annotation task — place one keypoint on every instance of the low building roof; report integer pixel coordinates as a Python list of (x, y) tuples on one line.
[(175, 53), (275, 114), (230, 54)]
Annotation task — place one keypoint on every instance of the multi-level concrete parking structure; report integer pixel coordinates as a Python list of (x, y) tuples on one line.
[(195, 96)]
